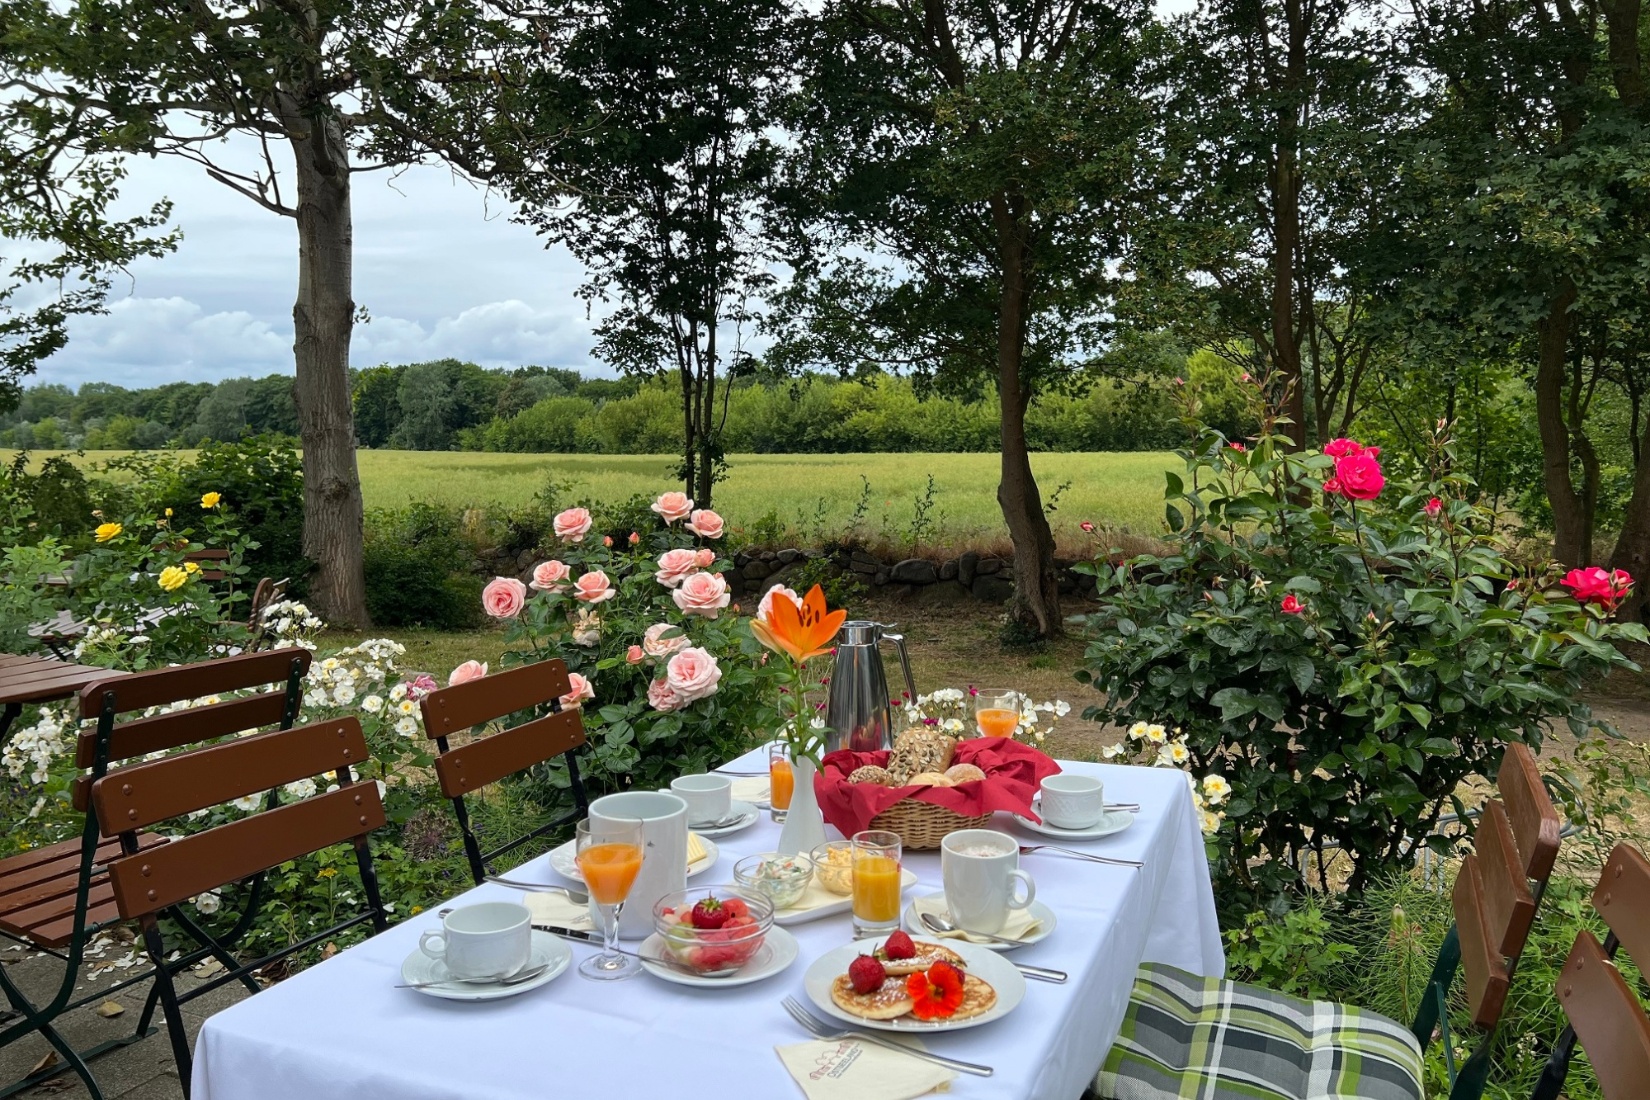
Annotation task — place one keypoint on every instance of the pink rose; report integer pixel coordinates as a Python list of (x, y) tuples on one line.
[(551, 576), (1292, 605), (1087, 526), (572, 524), (634, 538), (1360, 476), (692, 674), (593, 587), (503, 597), (673, 506), (422, 684), (1343, 448), (464, 673), (579, 690), (702, 594), (607, 541), (704, 557), (706, 524), (765, 608), (1594, 585), (1433, 506), (634, 655), (1238, 447), (674, 566), (661, 697), (655, 644), (1332, 487)]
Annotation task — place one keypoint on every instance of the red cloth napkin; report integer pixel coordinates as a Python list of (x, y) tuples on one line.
[(1013, 774)]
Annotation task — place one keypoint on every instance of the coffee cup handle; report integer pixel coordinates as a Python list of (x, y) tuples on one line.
[(1031, 890), (439, 953)]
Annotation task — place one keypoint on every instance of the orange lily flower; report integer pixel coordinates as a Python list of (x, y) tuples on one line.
[(800, 633)]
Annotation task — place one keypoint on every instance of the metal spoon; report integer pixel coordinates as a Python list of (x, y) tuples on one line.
[(732, 819), (496, 979), (943, 924), (573, 896), (1027, 849)]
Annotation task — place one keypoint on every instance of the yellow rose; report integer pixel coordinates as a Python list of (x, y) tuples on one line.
[(169, 513), (172, 578), (191, 567), (210, 500), (107, 531)]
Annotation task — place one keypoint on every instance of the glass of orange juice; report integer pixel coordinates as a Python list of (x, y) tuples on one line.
[(609, 854), (875, 862), (781, 780), (997, 711)]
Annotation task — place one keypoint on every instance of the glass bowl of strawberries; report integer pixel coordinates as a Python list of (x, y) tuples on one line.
[(713, 929)]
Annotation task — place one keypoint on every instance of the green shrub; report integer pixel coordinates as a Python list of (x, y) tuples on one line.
[(418, 569), (1291, 954), (57, 501), (1345, 663)]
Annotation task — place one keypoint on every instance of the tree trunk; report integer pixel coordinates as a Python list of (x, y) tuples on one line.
[(1632, 551), (1570, 521), (322, 319), (1036, 603), (1286, 226)]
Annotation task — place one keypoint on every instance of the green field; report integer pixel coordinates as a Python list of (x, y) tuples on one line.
[(1121, 490)]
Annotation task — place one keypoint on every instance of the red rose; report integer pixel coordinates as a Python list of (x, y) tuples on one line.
[(1292, 605), (1433, 507), (1343, 448), (1239, 447), (1594, 585), (1332, 487), (1360, 476)]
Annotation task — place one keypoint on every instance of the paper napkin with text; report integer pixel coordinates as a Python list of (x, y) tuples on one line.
[(851, 1070)]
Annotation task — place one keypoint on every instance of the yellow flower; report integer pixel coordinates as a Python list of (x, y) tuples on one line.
[(107, 531), (191, 567), (210, 500), (168, 513), (327, 872), (172, 578)]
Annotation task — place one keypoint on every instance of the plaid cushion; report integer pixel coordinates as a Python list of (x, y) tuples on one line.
[(1192, 1038)]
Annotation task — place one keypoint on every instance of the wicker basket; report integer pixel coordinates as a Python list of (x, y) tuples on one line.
[(922, 824)]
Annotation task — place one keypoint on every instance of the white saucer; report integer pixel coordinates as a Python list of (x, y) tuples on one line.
[(419, 967), (1115, 821), (564, 862), (1046, 922), (748, 814), (988, 966), (778, 951)]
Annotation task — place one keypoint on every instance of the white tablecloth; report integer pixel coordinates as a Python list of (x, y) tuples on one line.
[(340, 1030)]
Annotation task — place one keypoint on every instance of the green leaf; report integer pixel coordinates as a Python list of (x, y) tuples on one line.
[(1302, 671)]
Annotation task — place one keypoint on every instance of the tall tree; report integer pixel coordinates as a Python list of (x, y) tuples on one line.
[(306, 80), (961, 176)]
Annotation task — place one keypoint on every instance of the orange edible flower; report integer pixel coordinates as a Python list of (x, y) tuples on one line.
[(801, 633), (937, 994)]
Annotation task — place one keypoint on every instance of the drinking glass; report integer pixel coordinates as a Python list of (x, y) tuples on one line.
[(609, 854), (875, 862), (781, 780), (997, 711)]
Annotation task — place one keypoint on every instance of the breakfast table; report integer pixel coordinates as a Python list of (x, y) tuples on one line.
[(341, 1029)]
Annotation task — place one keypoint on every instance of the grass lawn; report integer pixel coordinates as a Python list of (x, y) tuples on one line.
[(813, 495)]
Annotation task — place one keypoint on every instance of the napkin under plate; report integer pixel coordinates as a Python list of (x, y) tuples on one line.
[(751, 789), (852, 1070), (1019, 925), (552, 907)]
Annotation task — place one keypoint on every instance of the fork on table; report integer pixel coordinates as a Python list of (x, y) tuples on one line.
[(1027, 849), (833, 1033)]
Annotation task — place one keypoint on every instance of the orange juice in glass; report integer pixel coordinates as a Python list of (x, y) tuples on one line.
[(876, 877), (609, 855), (997, 712), (781, 780)]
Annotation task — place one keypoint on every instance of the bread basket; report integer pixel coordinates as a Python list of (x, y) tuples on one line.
[(923, 825)]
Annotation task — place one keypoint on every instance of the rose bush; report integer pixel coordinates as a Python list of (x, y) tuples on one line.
[(1341, 649), (668, 678)]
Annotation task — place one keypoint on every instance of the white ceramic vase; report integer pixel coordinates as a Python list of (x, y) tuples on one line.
[(804, 825)]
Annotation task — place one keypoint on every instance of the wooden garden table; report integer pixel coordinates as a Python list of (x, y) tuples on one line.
[(28, 679)]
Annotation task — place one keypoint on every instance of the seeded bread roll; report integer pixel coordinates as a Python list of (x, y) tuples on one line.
[(964, 773), (917, 751), (870, 773)]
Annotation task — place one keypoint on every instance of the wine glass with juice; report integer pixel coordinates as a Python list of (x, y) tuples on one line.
[(609, 855)]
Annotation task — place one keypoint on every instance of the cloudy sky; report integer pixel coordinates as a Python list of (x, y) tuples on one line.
[(438, 265)]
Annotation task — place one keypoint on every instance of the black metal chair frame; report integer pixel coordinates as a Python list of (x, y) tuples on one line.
[(38, 1018)]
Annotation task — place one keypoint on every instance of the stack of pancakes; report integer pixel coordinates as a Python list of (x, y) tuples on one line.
[(892, 1001)]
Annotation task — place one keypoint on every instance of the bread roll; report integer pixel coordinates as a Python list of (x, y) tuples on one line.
[(870, 773), (964, 773), (929, 779), (919, 750)]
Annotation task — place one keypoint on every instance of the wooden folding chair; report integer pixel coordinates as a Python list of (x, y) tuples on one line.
[(55, 898), (149, 883), (1188, 1035), (537, 688), (1604, 1016)]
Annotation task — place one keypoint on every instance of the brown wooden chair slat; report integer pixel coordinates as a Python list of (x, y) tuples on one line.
[(148, 883), (1530, 811), (56, 898), (465, 769), (1509, 907), (1604, 1015), (1485, 969), (204, 559)]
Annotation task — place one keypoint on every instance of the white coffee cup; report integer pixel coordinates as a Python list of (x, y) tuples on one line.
[(664, 852), (979, 868), (492, 938), (709, 797), (1073, 801)]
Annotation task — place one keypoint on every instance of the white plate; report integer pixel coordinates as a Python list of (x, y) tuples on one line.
[(747, 817), (1115, 821), (564, 862), (778, 951), (838, 903), (1046, 923), (419, 967), (988, 966)]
